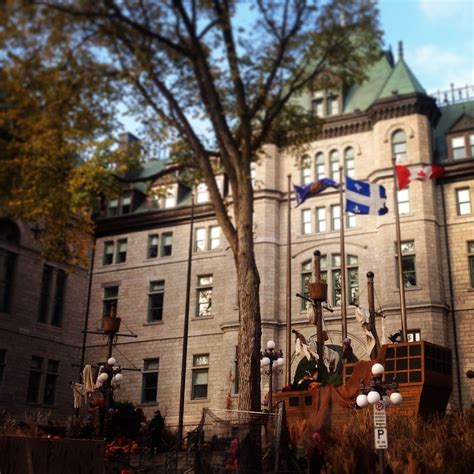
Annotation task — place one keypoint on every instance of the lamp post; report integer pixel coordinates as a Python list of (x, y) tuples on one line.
[(376, 394), (110, 375), (271, 358)]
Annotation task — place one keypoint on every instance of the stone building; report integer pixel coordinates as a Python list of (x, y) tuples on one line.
[(142, 246), (42, 308)]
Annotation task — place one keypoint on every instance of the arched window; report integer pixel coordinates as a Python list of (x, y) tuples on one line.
[(305, 170), (9, 235), (334, 166), (320, 166), (349, 162), (399, 146), (306, 276)]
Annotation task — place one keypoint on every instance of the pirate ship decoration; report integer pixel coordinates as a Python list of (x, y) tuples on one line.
[(421, 370)]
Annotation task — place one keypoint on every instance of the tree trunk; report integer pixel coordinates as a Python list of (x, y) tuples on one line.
[(248, 285)]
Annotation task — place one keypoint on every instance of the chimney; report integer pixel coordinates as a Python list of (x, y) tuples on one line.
[(126, 139), (400, 50)]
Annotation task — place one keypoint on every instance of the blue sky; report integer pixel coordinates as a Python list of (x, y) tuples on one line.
[(438, 38)]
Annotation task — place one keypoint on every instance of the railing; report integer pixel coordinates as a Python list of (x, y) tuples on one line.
[(454, 95)]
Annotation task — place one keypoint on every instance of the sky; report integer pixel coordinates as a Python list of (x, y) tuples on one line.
[(438, 39)]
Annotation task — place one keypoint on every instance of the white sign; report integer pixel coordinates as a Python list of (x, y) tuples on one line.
[(380, 415), (381, 441)]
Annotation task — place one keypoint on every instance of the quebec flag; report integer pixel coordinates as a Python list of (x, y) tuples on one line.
[(365, 198)]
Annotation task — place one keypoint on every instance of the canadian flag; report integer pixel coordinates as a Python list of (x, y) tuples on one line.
[(405, 174)]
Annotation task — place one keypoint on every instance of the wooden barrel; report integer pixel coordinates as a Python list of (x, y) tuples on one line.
[(318, 291)]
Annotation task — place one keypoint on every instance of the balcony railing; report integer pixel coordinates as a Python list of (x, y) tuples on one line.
[(454, 95)]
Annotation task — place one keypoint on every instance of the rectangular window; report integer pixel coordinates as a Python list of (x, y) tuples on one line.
[(59, 298), (150, 380), (214, 237), (332, 105), (167, 244), (351, 220), (204, 296), (200, 376), (334, 164), (202, 194), (413, 335), (112, 207), (121, 251), (463, 201), (317, 105), (408, 264), (253, 174), (306, 221), (306, 170), (403, 197), (155, 301), (336, 288), (110, 301), (470, 253), (321, 219), (126, 204), (108, 258), (52, 370), (335, 217), (7, 272), (46, 283), (471, 145), (152, 246), (3, 354), (353, 288), (34, 380), (200, 240), (170, 197), (458, 148)]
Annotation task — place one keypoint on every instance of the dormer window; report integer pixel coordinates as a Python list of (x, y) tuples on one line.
[(112, 207), (163, 197), (202, 193), (126, 204), (462, 147), (119, 206), (326, 103)]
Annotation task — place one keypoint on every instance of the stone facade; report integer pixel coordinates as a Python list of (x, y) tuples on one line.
[(371, 243), (36, 357)]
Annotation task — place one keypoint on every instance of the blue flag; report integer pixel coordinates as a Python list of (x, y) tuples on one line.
[(365, 198), (312, 189)]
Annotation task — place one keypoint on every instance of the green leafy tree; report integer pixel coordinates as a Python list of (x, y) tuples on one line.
[(223, 78)]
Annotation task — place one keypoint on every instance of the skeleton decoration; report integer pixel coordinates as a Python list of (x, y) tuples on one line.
[(363, 316)]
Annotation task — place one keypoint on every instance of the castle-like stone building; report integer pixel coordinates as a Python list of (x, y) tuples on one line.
[(142, 246)]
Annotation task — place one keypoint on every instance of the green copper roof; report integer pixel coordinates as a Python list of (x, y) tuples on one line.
[(362, 96), (402, 81), (146, 170), (450, 114)]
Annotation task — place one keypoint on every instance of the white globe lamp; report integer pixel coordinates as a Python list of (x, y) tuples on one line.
[(270, 345), (103, 377), (111, 361), (118, 378), (396, 398), (373, 397), (362, 401), (265, 362), (377, 370), (280, 361)]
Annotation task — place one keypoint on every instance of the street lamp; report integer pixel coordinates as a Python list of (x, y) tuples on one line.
[(110, 376), (270, 358), (376, 394)]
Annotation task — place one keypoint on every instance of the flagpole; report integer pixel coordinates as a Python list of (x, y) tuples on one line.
[(288, 291), (343, 259), (186, 326), (401, 283)]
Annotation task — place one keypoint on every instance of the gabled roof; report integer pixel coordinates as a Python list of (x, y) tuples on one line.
[(401, 81), (450, 115)]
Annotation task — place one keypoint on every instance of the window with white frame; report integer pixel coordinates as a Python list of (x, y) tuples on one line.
[(156, 297), (335, 217), (306, 221), (166, 244), (108, 256), (204, 296), (214, 237), (403, 197), (351, 220), (306, 177), (253, 174), (150, 380), (349, 162), (200, 379), (334, 166), (207, 238), (202, 193), (170, 196), (332, 104), (321, 219), (152, 251), (200, 239), (414, 335), (408, 263), (458, 148), (320, 166), (463, 201), (121, 256), (399, 146)]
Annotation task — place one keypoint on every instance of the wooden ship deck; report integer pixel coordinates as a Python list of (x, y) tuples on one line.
[(422, 370)]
